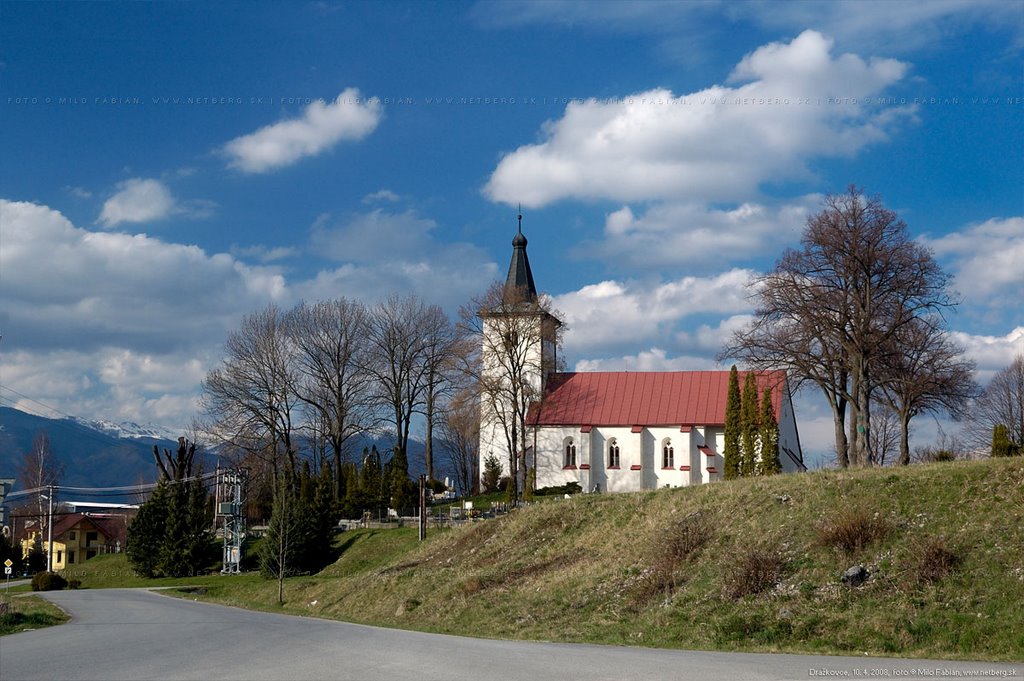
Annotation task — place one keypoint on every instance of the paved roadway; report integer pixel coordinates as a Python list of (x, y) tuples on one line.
[(137, 634)]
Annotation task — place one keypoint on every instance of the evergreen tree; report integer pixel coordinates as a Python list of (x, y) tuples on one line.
[(492, 473), (371, 478), (749, 440), (769, 462), (175, 544), (198, 520), (731, 452), (10, 551), (1001, 445), (146, 533), (531, 482), (401, 488)]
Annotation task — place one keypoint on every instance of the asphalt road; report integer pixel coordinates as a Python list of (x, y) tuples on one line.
[(136, 634)]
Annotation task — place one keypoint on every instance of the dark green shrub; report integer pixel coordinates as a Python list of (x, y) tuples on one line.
[(74, 584), (559, 490), (48, 581)]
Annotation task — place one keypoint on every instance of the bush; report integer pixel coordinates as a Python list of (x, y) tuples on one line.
[(48, 581), (74, 584), (757, 569), (853, 529), (559, 490), (935, 559), (678, 545)]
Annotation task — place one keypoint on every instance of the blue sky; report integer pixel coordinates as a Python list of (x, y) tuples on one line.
[(169, 167)]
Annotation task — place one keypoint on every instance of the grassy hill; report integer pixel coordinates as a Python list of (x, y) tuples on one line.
[(750, 565)]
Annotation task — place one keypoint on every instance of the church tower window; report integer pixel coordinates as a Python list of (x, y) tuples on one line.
[(613, 453), (668, 455)]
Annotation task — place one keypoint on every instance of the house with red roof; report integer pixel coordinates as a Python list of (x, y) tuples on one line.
[(615, 431), (78, 537)]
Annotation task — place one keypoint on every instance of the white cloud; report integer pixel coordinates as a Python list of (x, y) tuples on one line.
[(321, 126), (895, 25), (147, 200), (986, 260), (110, 302), (654, 359), (386, 252), (719, 144), (137, 200), (698, 237), (382, 195), (992, 353), (614, 314), (264, 254)]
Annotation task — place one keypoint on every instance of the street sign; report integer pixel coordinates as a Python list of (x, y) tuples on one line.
[(8, 563), (8, 570)]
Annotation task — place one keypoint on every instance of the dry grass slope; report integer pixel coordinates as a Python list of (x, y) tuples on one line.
[(743, 565)]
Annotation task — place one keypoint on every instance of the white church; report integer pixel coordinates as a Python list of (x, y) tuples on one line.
[(608, 431)]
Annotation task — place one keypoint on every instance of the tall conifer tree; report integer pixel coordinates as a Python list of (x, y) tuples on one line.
[(769, 463), (732, 427), (749, 440)]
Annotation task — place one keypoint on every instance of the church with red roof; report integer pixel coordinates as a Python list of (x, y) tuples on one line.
[(614, 431)]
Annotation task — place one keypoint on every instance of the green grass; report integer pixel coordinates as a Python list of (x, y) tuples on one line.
[(29, 612), (638, 569)]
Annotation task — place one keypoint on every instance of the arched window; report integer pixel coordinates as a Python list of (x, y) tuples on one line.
[(613, 453), (668, 455), (570, 454)]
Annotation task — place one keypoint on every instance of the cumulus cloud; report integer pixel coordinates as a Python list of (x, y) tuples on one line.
[(384, 252), (611, 314), (895, 25), (382, 195), (792, 102), (986, 260), (119, 321), (992, 353), (147, 200), (320, 127), (137, 200), (697, 236), (654, 359)]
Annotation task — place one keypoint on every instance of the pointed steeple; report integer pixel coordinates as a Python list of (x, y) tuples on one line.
[(519, 283)]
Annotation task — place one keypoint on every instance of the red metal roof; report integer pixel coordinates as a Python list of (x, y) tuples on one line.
[(626, 398)]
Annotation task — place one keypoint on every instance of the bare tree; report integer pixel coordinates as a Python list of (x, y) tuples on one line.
[(40, 469), (397, 348), (330, 339), (1001, 403), (460, 433), (252, 397), (517, 335), (440, 364), (177, 466), (923, 371), (852, 287)]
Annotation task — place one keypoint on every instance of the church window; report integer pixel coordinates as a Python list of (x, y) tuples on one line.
[(570, 454), (613, 454), (668, 455)]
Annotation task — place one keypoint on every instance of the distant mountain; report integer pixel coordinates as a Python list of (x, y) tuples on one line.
[(94, 453)]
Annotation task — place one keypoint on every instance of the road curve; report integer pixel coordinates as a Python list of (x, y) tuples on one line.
[(136, 634)]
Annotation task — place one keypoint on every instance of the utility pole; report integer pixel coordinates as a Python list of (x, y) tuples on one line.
[(49, 531), (423, 507)]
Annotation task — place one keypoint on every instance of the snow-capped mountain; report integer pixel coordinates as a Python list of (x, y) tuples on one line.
[(129, 430)]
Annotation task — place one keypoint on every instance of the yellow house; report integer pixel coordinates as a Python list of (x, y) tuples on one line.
[(77, 537)]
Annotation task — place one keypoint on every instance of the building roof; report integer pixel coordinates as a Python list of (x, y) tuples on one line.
[(519, 282), (624, 398), (106, 525)]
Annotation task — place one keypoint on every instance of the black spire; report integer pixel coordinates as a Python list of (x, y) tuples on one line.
[(519, 284)]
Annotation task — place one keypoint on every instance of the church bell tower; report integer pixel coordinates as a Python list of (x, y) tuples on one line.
[(519, 353)]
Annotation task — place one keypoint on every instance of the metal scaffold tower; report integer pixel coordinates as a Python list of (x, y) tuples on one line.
[(230, 487)]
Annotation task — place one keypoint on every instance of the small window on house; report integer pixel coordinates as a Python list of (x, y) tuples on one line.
[(90, 537), (613, 454), (71, 535), (668, 455), (71, 557), (60, 557), (570, 454)]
